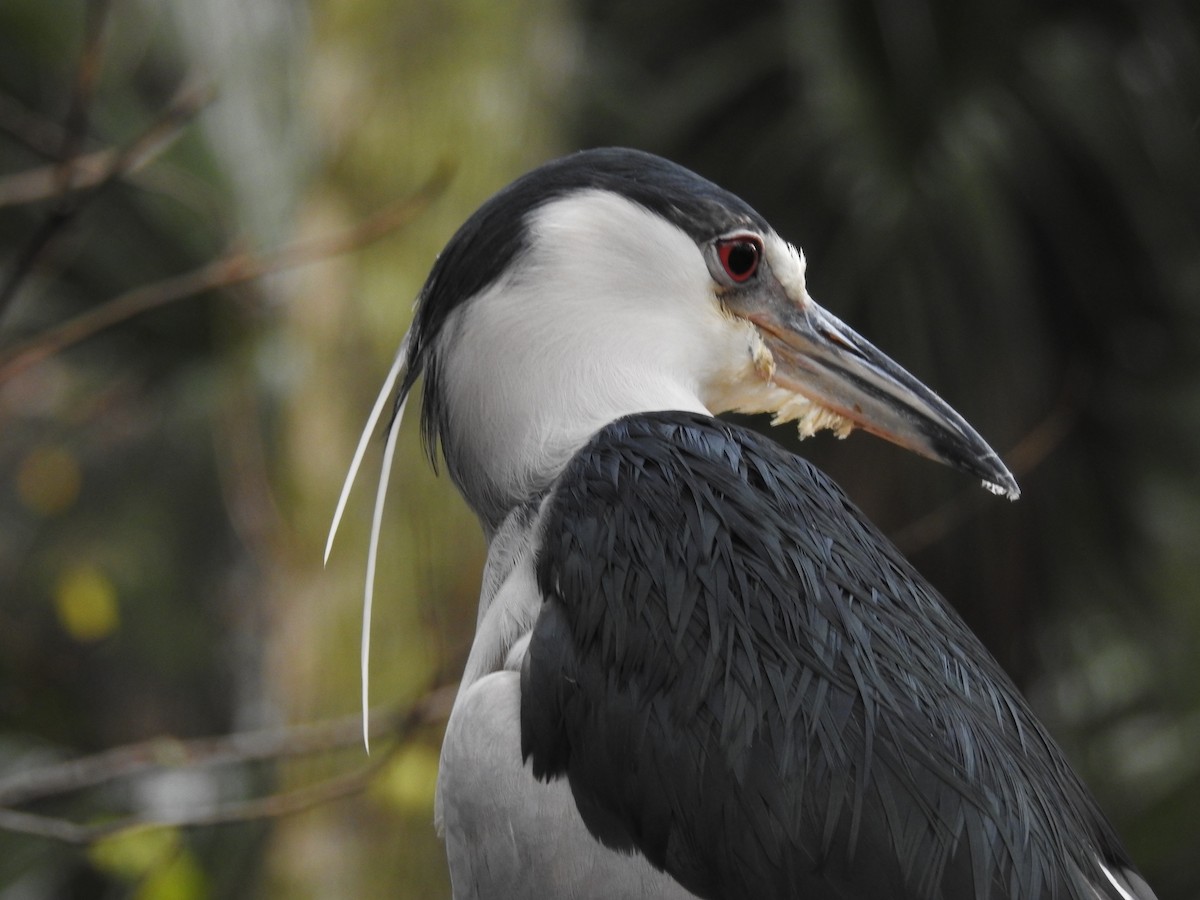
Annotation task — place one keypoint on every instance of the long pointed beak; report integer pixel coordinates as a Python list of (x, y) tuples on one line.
[(823, 359)]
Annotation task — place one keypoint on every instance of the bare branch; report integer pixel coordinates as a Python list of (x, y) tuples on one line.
[(93, 170), (272, 806), (74, 133), (185, 105), (43, 826), (234, 268), (87, 73), (254, 746), (150, 756), (41, 135)]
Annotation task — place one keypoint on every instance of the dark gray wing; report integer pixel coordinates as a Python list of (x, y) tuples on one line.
[(745, 681)]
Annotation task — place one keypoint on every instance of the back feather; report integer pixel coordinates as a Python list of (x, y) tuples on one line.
[(748, 683)]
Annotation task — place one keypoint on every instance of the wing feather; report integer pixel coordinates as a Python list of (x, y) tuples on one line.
[(754, 688)]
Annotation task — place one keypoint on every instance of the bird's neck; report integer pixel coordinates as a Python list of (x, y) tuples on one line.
[(516, 412), (505, 460)]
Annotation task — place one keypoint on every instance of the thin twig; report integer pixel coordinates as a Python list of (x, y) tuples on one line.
[(93, 170), (234, 268), (133, 760), (87, 73), (272, 806), (42, 826), (186, 104), (38, 133), (140, 759)]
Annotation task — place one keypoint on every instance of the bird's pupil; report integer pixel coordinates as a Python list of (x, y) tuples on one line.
[(742, 257)]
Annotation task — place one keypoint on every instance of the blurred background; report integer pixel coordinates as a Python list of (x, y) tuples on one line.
[(215, 215)]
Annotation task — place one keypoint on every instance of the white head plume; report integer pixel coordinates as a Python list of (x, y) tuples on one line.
[(389, 453)]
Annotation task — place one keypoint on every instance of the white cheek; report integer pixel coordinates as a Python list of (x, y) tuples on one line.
[(633, 296)]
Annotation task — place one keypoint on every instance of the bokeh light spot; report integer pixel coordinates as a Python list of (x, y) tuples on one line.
[(48, 480), (86, 603), (409, 782)]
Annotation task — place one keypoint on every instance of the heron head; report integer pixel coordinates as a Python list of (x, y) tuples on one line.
[(814, 369), (613, 282)]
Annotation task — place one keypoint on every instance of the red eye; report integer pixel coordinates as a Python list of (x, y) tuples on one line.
[(740, 256)]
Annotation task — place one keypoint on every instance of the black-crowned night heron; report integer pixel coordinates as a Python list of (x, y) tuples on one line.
[(698, 669)]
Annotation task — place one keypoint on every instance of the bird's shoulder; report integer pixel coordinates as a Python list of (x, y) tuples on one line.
[(671, 506)]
